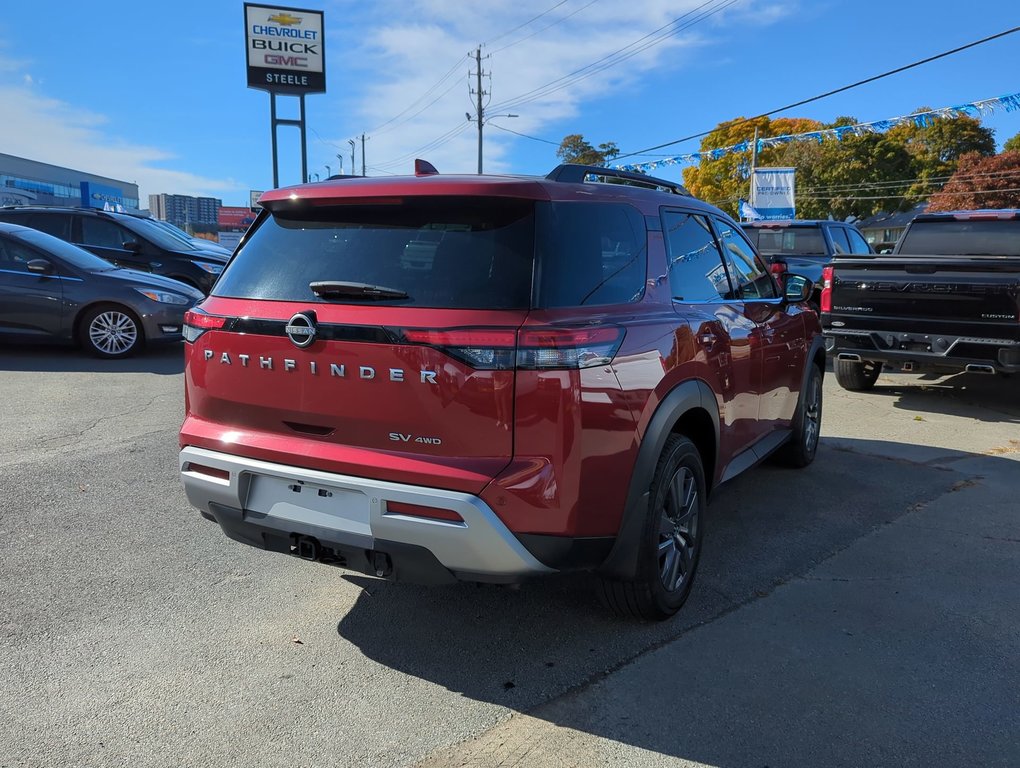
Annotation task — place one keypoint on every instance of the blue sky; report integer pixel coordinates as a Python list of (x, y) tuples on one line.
[(156, 94)]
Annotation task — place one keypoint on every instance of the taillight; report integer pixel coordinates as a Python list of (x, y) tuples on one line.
[(543, 348), (528, 349), (777, 268), (826, 300), (197, 322), (490, 349)]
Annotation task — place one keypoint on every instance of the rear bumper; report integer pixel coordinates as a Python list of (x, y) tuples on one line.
[(935, 351), (345, 520)]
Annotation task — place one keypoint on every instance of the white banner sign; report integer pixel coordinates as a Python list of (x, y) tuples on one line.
[(772, 193)]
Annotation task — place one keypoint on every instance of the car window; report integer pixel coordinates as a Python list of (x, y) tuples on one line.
[(857, 242), (752, 280), (696, 271), (839, 239), (103, 234), (56, 224), (14, 257)]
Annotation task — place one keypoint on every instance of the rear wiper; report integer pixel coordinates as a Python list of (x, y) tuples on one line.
[(336, 289)]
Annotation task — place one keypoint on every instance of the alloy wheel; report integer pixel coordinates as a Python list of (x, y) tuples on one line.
[(112, 332), (678, 530)]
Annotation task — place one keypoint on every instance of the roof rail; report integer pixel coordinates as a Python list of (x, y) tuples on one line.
[(578, 174)]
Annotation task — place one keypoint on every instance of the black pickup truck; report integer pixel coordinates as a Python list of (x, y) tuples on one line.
[(947, 299)]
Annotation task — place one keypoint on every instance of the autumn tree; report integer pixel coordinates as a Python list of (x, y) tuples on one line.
[(576, 149), (936, 148), (981, 182), (722, 181), (854, 176)]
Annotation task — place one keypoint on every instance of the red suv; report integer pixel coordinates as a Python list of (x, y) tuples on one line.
[(489, 378)]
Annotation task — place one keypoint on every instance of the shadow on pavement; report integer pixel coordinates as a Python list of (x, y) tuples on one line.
[(945, 395), (521, 649), (163, 359)]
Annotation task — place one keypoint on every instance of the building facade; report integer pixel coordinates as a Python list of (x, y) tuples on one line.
[(24, 182), (192, 214)]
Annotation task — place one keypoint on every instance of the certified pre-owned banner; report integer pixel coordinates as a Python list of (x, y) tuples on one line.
[(285, 49), (772, 193)]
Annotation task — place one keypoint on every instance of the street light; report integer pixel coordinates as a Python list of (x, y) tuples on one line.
[(340, 159), (353, 165), (328, 172)]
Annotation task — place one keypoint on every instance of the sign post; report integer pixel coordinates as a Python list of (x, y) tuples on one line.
[(285, 56)]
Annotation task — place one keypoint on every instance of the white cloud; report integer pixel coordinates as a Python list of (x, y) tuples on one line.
[(51, 131), (403, 60)]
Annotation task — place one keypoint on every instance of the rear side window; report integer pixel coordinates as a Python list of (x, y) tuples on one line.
[(857, 242), (839, 240), (443, 252), (589, 254)]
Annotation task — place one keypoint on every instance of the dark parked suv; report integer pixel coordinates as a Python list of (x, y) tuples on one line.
[(439, 378), (128, 241)]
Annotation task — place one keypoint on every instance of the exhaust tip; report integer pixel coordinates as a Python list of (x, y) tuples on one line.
[(849, 356), (978, 368)]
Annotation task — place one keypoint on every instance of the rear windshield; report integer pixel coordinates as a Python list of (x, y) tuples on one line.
[(793, 241), (952, 237), (446, 252)]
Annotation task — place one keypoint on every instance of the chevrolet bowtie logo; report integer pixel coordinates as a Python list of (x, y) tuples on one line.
[(285, 19)]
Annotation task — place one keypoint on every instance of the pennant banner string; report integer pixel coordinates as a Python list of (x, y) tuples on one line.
[(1010, 103)]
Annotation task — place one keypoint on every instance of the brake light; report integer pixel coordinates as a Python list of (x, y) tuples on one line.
[(529, 349), (777, 268), (826, 299), (197, 322)]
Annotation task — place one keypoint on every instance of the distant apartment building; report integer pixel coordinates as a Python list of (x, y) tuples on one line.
[(24, 182), (192, 214)]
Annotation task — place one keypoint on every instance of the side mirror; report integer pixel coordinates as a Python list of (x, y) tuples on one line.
[(40, 267), (132, 245), (796, 288)]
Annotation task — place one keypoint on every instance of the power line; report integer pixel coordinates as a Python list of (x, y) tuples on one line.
[(620, 55), (421, 98), (897, 197), (522, 26), (543, 29), (524, 135), (434, 144), (830, 93)]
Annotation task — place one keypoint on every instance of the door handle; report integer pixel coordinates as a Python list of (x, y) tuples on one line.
[(708, 339)]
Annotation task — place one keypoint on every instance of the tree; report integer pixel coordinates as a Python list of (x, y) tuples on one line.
[(575, 149), (1012, 145), (722, 181), (855, 176), (937, 148), (981, 182)]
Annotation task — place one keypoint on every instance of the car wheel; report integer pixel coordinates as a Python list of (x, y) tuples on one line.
[(857, 377), (111, 331), (671, 544), (807, 423)]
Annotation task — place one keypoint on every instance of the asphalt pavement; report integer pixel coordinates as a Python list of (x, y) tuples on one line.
[(859, 612)]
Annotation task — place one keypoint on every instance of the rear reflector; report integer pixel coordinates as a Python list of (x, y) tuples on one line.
[(416, 510), (202, 469)]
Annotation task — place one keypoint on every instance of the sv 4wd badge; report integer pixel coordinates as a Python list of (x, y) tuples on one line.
[(399, 437)]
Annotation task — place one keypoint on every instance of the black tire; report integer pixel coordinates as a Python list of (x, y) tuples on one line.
[(111, 331), (857, 377), (671, 542), (807, 423)]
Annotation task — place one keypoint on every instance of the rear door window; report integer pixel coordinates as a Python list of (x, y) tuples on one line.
[(839, 239), (857, 242), (56, 224), (696, 271)]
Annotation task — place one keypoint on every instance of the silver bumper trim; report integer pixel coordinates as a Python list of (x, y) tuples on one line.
[(482, 544)]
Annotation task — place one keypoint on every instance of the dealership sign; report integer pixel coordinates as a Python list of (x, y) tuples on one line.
[(285, 49)]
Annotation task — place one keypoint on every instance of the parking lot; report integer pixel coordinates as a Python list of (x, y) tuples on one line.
[(860, 612)]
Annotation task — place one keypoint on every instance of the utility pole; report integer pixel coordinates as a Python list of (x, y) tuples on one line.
[(479, 93), (362, 154)]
